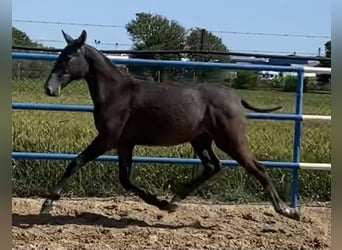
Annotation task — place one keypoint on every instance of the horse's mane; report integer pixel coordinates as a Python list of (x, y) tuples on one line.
[(94, 51), (118, 70)]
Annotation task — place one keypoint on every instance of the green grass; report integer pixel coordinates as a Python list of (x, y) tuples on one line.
[(70, 132)]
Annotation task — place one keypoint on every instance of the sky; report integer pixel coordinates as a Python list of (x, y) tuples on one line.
[(292, 17)]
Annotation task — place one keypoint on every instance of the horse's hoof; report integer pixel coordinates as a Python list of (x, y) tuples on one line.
[(172, 207), (168, 206), (46, 207), (296, 217), (292, 213), (175, 198)]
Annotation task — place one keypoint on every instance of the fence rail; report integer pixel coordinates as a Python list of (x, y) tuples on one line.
[(170, 63), (166, 160), (210, 52), (298, 117)]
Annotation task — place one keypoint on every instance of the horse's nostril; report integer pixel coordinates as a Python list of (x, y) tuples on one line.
[(48, 91), (51, 91)]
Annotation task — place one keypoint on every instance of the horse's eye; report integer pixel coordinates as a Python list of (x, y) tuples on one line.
[(71, 55)]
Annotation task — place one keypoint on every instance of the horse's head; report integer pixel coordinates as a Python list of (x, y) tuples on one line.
[(71, 65)]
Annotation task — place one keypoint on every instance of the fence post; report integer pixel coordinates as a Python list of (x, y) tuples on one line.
[(297, 139)]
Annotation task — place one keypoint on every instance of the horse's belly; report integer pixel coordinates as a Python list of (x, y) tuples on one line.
[(165, 128), (163, 136)]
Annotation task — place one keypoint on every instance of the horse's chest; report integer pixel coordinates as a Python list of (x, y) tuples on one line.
[(97, 121), (108, 121)]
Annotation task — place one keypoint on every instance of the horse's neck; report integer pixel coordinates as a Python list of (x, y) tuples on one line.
[(105, 81)]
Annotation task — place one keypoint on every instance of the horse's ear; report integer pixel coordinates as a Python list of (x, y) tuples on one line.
[(83, 37), (67, 38)]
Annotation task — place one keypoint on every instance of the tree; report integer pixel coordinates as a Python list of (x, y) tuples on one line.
[(20, 38), (328, 49), (155, 32), (201, 39), (324, 79)]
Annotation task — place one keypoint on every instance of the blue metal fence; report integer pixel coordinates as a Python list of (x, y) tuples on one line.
[(297, 117)]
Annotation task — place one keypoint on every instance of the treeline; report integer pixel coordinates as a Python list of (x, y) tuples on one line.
[(28, 69)]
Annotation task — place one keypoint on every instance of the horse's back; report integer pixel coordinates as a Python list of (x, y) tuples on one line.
[(187, 99)]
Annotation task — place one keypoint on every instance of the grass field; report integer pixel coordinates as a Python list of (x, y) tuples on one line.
[(70, 132)]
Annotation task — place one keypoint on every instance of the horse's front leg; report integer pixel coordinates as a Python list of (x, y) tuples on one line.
[(96, 148), (125, 154)]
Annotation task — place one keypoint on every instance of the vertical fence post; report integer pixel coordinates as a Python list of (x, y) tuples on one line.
[(297, 139)]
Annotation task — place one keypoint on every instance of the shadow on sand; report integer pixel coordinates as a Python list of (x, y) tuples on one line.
[(30, 220)]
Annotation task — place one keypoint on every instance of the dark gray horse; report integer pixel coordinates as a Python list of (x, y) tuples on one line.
[(129, 112)]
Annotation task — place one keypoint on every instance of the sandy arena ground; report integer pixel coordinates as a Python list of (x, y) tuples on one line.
[(125, 223)]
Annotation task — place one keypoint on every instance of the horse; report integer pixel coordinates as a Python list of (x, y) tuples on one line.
[(129, 112)]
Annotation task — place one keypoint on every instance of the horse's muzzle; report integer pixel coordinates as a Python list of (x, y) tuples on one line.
[(52, 91)]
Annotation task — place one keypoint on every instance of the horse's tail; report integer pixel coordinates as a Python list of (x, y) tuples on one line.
[(250, 107)]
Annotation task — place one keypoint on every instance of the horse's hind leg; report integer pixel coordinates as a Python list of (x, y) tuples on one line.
[(96, 148), (125, 153), (232, 140), (211, 167)]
